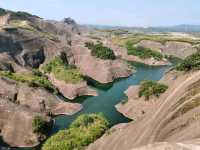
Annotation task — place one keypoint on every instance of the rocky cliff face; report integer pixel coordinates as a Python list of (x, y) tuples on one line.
[(20, 103), (172, 118), (26, 42)]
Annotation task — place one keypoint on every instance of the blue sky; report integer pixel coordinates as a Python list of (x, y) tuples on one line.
[(113, 12)]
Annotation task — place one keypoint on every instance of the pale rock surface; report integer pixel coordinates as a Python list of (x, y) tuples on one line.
[(71, 91), (16, 125)]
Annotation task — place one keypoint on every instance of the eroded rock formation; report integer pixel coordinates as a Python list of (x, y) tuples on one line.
[(19, 104)]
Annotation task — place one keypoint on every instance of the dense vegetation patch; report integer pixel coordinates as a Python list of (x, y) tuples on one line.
[(17, 15), (40, 125), (100, 51), (62, 71), (83, 131), (2, 12), (32, 80), (151, 88), (22, 15), (142, 52), (190, 63)]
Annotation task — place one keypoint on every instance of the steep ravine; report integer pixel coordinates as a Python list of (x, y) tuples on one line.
[(109, 97)]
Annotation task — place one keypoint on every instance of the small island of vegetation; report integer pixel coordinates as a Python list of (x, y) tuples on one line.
[(83, 131), (151, 88), (100, 51)]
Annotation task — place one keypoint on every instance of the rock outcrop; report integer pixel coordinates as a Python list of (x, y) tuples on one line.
[(71, 91), (41, 101), (179, 49), (173, 48), (16, 125), (151, 44), (121, 52), (103, 71), (19, 104), (173, 118)]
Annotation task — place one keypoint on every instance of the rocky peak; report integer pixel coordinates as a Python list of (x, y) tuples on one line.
[(69, 21)]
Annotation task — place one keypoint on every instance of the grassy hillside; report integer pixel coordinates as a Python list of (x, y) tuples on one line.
[(32, 80), (142, 52), (62, 71)]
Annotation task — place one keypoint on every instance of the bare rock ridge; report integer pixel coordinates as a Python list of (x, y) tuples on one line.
[(172, 119)]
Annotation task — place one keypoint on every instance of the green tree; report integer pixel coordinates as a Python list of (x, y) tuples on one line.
[(151, 88), (40, 125)]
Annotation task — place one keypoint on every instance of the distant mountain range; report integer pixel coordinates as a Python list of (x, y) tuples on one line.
[(177, 28)]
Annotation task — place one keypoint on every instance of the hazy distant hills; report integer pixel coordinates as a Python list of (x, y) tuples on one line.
[(177, 28)]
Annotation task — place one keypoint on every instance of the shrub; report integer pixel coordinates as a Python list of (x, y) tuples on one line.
[(83, 131), (142, 52), (100, 51), (40, 125), (67, 73), (33, 80), (37, 72), (190, 63), (149, 88)]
